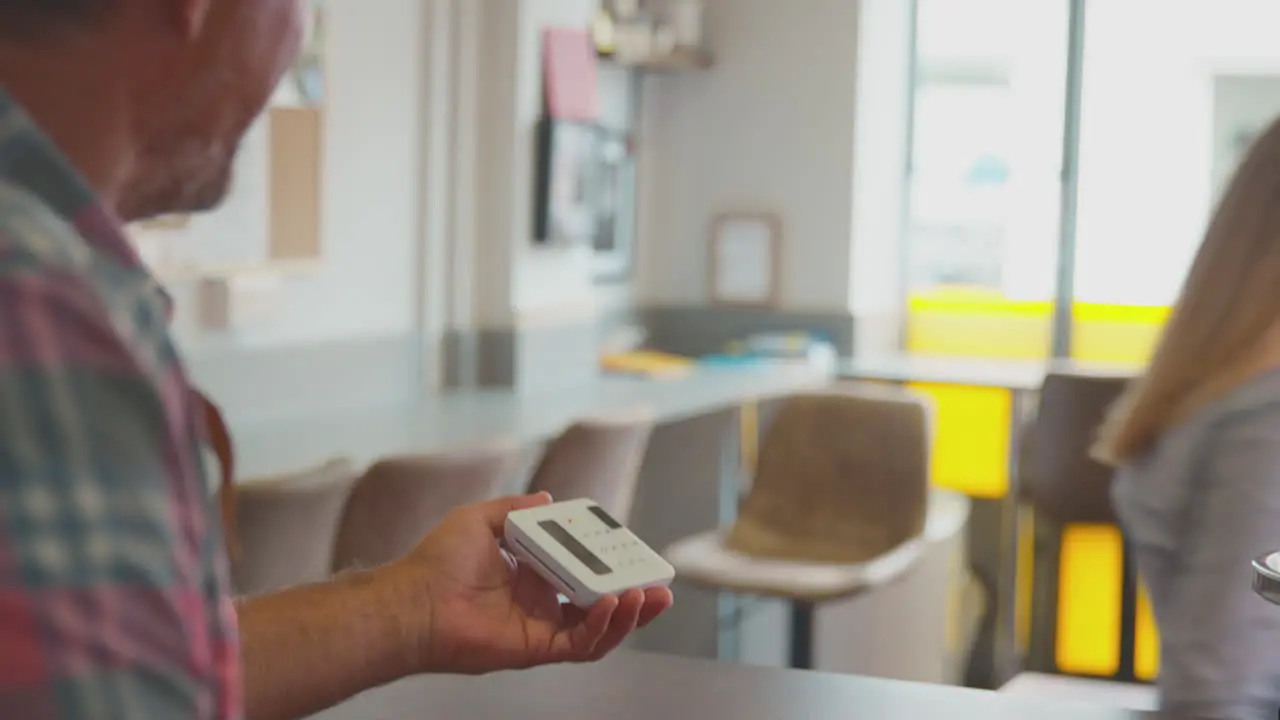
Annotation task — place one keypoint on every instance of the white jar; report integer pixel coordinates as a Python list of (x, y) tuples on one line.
[(624, 10), (685, 18)]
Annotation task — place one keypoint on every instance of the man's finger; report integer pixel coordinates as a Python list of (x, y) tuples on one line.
[(622, 624), (584, 637), (495, 512), (656, 602)]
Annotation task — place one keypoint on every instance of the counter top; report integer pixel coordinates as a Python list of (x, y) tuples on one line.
[(1010, 374), (636, 686), (459, 419)]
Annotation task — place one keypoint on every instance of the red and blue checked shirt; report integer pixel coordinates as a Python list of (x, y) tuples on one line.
[(114, 600)]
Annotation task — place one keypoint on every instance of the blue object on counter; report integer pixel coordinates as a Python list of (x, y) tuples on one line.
[(731, 360)]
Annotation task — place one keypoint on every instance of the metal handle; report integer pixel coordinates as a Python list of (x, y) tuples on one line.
[(1266, 579)]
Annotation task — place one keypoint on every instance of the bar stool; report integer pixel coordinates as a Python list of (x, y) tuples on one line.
[(597, 458), (286, 526), (399, 499), (1065, 486), (838, 506)]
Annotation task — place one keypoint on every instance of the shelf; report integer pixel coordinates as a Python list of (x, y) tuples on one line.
[(283, 268), (165, 222), (680, 60)]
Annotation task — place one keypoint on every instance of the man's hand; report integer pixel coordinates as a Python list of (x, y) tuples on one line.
[(485, 612), (455, 604)]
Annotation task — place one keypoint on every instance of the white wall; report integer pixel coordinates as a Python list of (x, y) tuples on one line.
[(768, 128), (546, 280), (370, 222), (516, 281), (882, 139), (771, 126)]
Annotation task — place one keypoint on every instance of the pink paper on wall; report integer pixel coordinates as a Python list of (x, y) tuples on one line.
[(569, 74)]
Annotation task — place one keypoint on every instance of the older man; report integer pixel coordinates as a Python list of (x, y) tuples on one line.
[(113, 593)]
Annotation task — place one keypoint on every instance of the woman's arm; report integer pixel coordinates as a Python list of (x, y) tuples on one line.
[(1221, 642)]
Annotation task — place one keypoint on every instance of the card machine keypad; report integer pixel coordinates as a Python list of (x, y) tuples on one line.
[(609, 557)]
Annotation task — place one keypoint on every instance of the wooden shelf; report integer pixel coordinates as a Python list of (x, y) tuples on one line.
[(680, 60)]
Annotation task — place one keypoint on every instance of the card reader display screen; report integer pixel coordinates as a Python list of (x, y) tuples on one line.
[(577, 549), (605, 517)]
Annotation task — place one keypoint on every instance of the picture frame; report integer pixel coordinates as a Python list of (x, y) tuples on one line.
[(613, 243), (745, 250), (566, 182)]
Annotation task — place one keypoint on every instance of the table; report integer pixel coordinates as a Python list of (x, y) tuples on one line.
[(1020, 375), (1023, 378), (462, 418), (638, 686)]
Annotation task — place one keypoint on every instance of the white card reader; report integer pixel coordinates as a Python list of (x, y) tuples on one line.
[(583, 552)]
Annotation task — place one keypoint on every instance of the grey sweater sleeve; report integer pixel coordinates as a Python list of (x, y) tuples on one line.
[(1220, 655)]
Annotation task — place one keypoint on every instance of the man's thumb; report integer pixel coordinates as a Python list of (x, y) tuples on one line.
[(495, 511)]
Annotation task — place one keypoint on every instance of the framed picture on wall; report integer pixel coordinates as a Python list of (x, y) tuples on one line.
[(566, 185), (745, 250), (613, 243)]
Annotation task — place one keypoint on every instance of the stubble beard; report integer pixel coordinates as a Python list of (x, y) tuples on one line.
[(186, 166), (183, 178)]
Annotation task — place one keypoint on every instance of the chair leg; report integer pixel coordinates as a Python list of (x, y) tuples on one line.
[(1128, 618), (801, 635)]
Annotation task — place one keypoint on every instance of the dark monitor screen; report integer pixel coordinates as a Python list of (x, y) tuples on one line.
[(570, 543)]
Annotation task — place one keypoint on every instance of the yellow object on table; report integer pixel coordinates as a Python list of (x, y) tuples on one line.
[(647, 363)]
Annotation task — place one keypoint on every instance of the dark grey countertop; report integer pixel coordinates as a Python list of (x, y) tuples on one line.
[(635, 686)]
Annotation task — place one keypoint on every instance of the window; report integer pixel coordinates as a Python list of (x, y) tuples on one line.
[(1169, 96), (985, 176), (1165, 110), (1161, 131)]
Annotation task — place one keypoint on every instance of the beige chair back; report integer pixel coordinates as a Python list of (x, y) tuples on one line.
[(286, 526), (598, 459), (843, 477), (399, 499)]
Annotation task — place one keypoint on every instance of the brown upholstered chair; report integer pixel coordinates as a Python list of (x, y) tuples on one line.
[(597, 458), (399, 499), (286, 527), (838, 506), (1059, 478), (1064, 486)]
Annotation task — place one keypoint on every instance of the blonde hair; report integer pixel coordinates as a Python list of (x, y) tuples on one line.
[(1223, 328)]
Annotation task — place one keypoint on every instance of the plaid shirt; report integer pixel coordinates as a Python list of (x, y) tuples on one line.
[(114, 601)]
